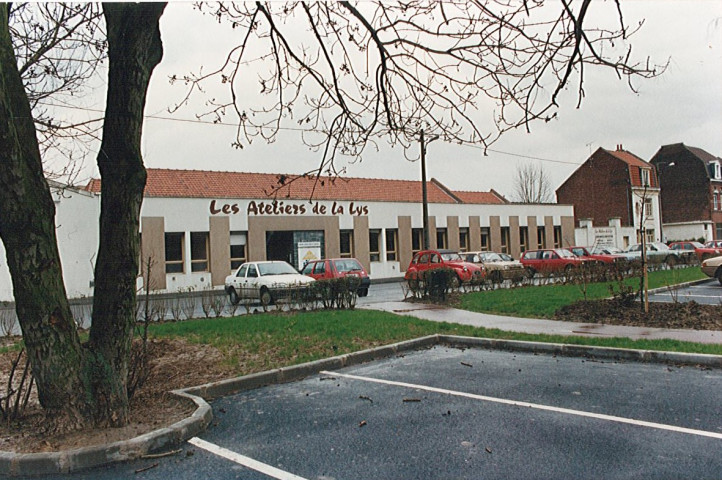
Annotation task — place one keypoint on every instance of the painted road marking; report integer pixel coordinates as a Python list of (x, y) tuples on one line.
[(581, 413), (243, 460)]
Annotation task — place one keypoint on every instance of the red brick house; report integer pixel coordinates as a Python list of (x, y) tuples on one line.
[(609, 189), (691, 183)]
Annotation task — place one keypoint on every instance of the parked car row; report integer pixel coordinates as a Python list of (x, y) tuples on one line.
[(272, 280)]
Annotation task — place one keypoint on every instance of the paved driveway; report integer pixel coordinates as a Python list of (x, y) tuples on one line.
[(708, 292), (462, 413)]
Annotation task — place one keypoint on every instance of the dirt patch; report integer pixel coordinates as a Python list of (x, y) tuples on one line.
[(683, 315), (174, 364)]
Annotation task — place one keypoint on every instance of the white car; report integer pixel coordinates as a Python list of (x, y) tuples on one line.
[(657, 252), (713, 268), (266, 281)]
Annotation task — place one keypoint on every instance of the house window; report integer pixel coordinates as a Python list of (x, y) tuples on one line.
[(523, 238), (238, 249), (647, 207), (715, 200), (644, 174), (557, 236), (441, 238), (375, 245), (463, 239), (541, 237), (174, 246), (485, 239), (199, 251), (417, 240), (649, 237), (346, 241), (505, 240), (391, 242)]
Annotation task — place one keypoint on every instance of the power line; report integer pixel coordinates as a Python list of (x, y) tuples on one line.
[(296, 129)]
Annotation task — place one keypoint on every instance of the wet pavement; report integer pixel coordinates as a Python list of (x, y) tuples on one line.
[(540, 326)]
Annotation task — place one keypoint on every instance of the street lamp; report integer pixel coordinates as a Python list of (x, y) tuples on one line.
[(424, 197)]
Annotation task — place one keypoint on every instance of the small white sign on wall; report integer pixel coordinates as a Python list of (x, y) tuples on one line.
[(308, 251)]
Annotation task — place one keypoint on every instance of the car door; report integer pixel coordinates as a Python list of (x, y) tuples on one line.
[(239, 280), (252, 282)]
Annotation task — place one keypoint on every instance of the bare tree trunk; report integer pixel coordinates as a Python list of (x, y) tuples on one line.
[(27, 229), (134, 49)]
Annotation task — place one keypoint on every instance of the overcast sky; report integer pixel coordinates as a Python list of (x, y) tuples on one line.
[(683, 105)]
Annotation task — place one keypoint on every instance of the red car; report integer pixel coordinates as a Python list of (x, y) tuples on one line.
[(595, 256), (689, 249), (426, 260), (714, 244), (552, 260), (339, 268)]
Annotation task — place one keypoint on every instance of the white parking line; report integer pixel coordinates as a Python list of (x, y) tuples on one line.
[(504, 401), (243, 460)]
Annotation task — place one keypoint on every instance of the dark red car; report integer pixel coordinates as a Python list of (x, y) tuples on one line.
[(426, 260), (595, 256), (339, 268), (689, 249), (551, 260)]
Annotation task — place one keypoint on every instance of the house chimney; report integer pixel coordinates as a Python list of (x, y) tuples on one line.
[(619, 147)]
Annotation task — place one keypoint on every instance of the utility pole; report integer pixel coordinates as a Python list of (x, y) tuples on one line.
[(424, 195)]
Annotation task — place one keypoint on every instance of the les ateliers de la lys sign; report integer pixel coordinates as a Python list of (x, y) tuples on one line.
[(279, 207)]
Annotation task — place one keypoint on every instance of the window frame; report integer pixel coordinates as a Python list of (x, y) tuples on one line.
[(375, 250), (392, 244), (174, 262), (200, 264)]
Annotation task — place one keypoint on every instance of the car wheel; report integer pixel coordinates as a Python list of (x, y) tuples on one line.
[(362, 292), (530, 272), (671, 261), (266, 298), (455, 282), (414, 284), (496, 277), (233, 296), (705, 256), (719, 275)]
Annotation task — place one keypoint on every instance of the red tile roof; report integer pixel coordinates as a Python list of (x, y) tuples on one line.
[(210, 184), (635, 163)]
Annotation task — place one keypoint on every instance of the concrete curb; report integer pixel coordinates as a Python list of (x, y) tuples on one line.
[(90, 457)]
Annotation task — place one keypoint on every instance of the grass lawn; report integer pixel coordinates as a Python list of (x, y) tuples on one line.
[(543, 301), (254, 343)]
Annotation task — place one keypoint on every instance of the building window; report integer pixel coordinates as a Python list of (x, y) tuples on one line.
[(644, 174), (649, 235), (647, 207), (557, 236), (523, 238), (375, 245), (485, 239), (238, 249), (541, 237), (505, 240), (199, 251), (441, 242), (391, 242), (346, 241), (417, 240), (174, 246), (715, 200), (463, 239)]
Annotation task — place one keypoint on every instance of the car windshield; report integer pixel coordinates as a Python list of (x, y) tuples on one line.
[(347, 266), (276, 268), (658, 246), (491, 257), (451, 257), (565, 253)]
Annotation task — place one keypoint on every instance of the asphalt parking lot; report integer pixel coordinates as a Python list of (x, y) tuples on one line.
[(708, 292), (446, 413)]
